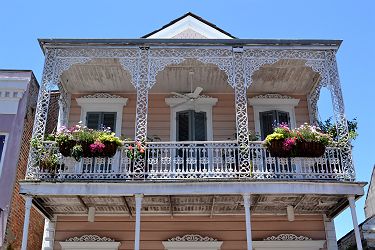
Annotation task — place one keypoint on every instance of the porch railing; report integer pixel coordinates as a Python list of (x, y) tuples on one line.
[(194, 161)]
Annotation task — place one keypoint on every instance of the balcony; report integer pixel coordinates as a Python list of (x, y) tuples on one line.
[(193, 161)]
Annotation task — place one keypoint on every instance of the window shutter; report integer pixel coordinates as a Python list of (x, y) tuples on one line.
[(200, 128), (182, 122), (267, 120)]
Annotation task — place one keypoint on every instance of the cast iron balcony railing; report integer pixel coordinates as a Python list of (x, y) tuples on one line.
[(206, 160)]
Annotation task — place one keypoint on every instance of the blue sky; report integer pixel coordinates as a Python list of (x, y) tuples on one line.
[(22, 22)]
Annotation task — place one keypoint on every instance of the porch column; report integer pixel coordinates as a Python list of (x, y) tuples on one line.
[(241, 113), (48, 235), (64, 107), (138, 206), (247, 204), (142, 87), (339, 113), (355, 222), (28, 202)]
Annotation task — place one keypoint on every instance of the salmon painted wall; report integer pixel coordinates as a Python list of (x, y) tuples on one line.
[(155, 229), (223, 115)]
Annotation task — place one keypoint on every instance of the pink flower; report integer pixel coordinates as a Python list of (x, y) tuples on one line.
[(97, 147), (289, 143)]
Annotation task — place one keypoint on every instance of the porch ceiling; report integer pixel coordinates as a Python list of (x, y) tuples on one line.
[(284, 76), (107, 75), (192, 205)]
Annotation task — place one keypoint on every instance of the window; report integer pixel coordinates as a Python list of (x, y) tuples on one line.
[(100, 120), (269, 119), (191, 126), (3, 143), (191, 120), (272, 109), (102, 109)]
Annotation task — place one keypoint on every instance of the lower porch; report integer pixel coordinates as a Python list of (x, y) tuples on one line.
[(239, 214)]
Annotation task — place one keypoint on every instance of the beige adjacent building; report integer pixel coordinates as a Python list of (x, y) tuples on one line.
[(192, 92)]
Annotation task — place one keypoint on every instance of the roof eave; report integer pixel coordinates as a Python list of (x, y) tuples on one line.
[(143, 42)]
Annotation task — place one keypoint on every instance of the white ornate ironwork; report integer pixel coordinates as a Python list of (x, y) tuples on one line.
[(144, 64), (287, 237), (193, 161), (89, 238), (192, 238)]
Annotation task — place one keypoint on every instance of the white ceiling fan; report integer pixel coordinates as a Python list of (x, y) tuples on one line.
[(192, 96)]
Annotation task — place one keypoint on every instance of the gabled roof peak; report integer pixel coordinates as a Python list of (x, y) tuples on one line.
[(189, 26)]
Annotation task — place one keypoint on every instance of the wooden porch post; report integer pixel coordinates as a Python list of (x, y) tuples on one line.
[(247, 204), (28, 202), (138, 206), (355, 222)]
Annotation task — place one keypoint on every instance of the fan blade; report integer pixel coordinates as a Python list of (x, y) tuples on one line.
[(196, 92), (180, 95)]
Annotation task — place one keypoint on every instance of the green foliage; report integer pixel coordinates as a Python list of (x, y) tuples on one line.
[(46, 157), (77, 152), (329, 127)]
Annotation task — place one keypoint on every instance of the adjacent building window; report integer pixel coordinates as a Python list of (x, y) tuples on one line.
[(3, 143), (191, 126), (270, 119), (100, 120)]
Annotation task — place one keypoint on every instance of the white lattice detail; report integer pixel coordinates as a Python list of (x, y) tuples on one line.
[(272, 96), (89, 238), (192, 238), (286, 237)]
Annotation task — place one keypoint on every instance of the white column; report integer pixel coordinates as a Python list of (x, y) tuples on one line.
[(330, 230), (355, 222), (138, 206), (246, 204), (28, 202), (48, 235)]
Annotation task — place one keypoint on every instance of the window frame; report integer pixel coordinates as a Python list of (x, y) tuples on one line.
[(203, 104), (2, 159), (260, 104), (101, 116), (113, 105)]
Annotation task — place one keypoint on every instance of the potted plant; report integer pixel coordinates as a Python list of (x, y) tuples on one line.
[(305, 141), (46, 158)]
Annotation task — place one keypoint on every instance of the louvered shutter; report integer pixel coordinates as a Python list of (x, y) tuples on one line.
[(267, 120), (93, 120), (183, 125), (200, 126)]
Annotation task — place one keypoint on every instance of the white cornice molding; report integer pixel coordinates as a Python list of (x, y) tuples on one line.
[(273, 99), (192, 241), (192, 237), (102, 98), (283, 237), (90, 241)]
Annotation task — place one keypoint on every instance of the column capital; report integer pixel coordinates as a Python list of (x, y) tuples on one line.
[(138, 196), (246, 200), (351, 198)]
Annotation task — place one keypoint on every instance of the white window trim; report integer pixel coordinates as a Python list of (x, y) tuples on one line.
[(4, 150), (289, 244), (90, 245), (202, 104), (268, 104), (95, 104)]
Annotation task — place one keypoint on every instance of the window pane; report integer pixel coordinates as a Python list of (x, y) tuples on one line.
[(283, 117), (93, 120), (2, 144), (109, 120), (200, 126)]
